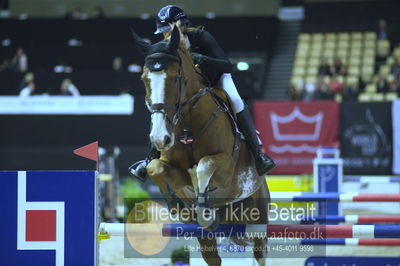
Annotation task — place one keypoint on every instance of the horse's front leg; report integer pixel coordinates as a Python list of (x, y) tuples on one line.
[(209, 251), (220, 165), (169, 179)]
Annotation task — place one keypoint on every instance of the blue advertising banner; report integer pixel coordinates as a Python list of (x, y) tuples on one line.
[(48, 218)]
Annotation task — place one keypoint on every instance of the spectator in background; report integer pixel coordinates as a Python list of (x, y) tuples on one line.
[(294, 94), (382, 30), (336, 85), (324, 68), (75, 42), (68, 88), (308, 91), (19, 63), (27, 85), (72, 14), (28, 78), (382, 84), (76, 13), (117, 64), (99, 13), (338, 67), (4, 65), (395, 86), (395, 69), (350, 91), (322, 90), (62, 67)]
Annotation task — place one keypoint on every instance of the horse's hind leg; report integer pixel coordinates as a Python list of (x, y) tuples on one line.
[(220, 165), (209, 251), (213, 165), (262, 199), (258, 251)]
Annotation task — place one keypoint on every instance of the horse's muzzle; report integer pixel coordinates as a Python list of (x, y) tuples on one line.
[(163, 143)]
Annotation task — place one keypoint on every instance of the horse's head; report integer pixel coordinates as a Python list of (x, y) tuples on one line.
[(162, 76)]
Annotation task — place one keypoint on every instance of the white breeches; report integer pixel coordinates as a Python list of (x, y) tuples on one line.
[(226, 82)]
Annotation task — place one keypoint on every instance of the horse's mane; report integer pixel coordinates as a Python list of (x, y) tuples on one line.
[(183, 38), (185, 54)]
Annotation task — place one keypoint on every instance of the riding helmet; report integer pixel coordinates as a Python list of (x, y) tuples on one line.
[(169, 14)]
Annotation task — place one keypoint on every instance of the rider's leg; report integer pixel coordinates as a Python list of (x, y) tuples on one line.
[(263, 162), (226, 82), (138, 169)]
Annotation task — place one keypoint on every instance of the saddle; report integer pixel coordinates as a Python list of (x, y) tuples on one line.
[(224, 101)]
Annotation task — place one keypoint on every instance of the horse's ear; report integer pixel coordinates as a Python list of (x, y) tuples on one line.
[(173, 43), (141, 44)]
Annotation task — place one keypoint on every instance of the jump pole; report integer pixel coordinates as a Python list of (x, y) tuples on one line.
[(257, 230), (333, 197), (351, 242), (367, 219), (372, 179)]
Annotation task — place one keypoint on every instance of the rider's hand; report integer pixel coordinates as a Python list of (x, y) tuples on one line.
[(198, 58)]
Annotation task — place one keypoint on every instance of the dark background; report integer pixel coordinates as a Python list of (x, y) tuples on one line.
[(47, 141)]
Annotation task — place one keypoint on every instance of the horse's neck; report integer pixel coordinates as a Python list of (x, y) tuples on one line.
[(204, 106), (189, 71)]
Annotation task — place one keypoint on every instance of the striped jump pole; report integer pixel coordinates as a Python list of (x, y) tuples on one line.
[(361, 219), (287, 231), (351, 242), (372, 179), (333, 197), (255, 230)]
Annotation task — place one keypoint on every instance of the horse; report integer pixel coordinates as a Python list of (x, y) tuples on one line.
[(203, 161)]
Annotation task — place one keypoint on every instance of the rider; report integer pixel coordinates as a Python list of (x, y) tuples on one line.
[(214, 64)]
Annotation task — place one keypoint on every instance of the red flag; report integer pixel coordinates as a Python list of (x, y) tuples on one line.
[(89, 151)]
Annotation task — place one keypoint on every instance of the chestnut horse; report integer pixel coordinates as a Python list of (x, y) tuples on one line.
[(203, 162)]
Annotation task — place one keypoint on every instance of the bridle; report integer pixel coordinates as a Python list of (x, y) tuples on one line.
[(161, 107), (188, 137)]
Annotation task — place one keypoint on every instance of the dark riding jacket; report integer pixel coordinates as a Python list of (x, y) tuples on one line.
[(214, 61)]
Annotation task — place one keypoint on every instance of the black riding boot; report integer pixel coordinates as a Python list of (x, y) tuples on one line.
[(139, 170), (263, 162)]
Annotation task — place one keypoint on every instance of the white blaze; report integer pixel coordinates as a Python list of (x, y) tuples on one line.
[(157, 84)]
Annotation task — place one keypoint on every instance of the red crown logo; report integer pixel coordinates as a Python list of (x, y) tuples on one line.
[(306, 128)]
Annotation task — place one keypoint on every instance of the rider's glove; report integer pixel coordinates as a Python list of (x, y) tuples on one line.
[(198, 59)]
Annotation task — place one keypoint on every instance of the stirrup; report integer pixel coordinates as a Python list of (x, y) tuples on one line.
[(138, 170)]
